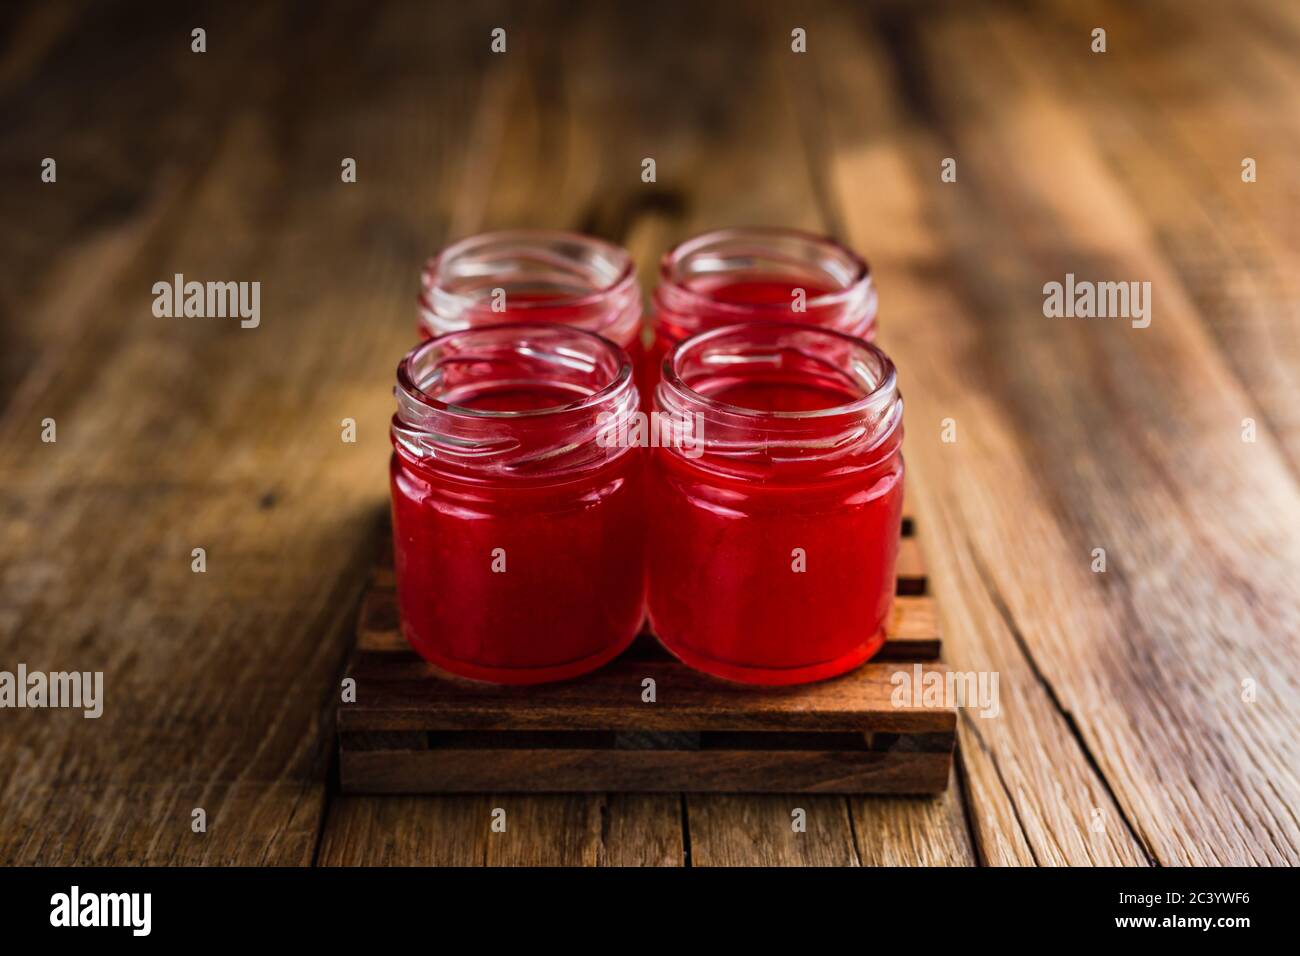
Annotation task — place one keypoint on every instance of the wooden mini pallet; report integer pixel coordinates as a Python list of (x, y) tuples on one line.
[(414, 729)]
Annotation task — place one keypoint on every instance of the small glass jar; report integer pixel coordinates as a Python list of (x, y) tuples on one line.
[(518, 521), (774, 531), (533, 276), (757, 275)]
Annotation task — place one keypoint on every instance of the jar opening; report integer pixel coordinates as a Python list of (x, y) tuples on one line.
[(741, 275), (531, 276), (779, 390), (525, 398)]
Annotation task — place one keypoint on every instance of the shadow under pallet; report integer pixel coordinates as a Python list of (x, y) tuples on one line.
[(415, 729)]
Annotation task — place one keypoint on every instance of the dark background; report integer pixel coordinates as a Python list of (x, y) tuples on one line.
[(1122, 696)]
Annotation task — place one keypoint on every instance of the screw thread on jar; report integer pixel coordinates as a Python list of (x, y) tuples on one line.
[(532, 276), (753, 274)]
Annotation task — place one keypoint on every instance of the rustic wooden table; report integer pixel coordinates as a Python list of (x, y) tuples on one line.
[(1149, 714)]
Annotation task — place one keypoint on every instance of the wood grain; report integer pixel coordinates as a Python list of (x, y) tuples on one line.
[(1075, 436), (554, 830), (728, 830), (1124, 736), (177, 434), (811, 768), (611, 698), (914, 831)]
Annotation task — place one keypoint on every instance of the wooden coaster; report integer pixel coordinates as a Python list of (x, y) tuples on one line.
[(415, 729)]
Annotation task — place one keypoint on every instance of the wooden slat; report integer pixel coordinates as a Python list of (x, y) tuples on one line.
[(402, 692), (913, 631), (588, 771), (911, 567)]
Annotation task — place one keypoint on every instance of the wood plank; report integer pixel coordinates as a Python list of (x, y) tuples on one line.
[(1121, 693), (641, 829), (913, 630), (911, 567), (730, 830), (1072, 435), (406, 831), (411, 695), (1021, 812), (1177, 155), (912, 831), (554, 830), (598, 770), (175, 434), (138, 823)]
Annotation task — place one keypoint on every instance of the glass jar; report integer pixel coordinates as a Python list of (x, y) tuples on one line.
[(774, 532), (517, 521), (533, 276), (754, 275)]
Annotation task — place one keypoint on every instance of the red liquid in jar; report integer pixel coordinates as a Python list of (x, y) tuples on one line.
[(556, 310), (723, 595), (572, 593), (772, 300)]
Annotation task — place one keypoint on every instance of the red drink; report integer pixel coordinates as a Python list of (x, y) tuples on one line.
[(518, 530), (753, 275), (533, 276), (771, 555)]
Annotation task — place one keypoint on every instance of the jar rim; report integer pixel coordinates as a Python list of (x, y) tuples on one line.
[(669, 274), (550, 442), (408, 383), (439, 299), (883, 392)]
